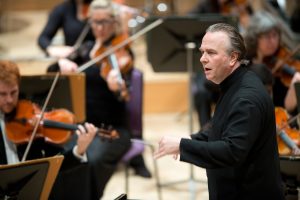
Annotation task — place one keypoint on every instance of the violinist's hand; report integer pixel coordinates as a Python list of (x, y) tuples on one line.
[(67, 65), (113, 81), (296, 151), (168, 145), (86, 135), (59, 51), (296, 78)]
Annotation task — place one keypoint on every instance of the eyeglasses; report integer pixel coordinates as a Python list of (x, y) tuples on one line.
[(269, 35), (103, 22)]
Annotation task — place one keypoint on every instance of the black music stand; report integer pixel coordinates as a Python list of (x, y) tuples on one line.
[(173, 47), (290, 172), (29, 180)]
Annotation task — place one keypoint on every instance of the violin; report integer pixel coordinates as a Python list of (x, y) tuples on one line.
[(284, 66), (288, 138), (56, 127), (240, 8), (120, 60)]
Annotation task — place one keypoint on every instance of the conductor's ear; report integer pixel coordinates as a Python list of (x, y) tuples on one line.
[(233, 58)]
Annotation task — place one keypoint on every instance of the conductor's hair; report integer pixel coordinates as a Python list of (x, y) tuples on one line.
[(9, 72), (236, 40)]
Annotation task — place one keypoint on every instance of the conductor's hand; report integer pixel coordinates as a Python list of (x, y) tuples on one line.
[(168, 145), (86, 135)]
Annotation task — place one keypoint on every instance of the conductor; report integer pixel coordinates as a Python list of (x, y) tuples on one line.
[(238, 146)]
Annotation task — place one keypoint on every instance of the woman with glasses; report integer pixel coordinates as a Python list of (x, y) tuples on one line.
[(105, 93)]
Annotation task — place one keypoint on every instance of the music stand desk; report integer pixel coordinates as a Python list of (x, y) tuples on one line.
[(31, 179)]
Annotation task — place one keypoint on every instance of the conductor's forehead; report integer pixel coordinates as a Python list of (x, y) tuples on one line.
[(214, 40)]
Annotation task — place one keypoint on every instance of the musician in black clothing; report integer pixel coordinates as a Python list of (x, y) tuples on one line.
[(106, 95), (72, 16), (11, 153)]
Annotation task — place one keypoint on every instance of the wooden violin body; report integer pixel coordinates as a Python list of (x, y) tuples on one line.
[(123, 60), (284, 66), (56, 127), (287, 138)]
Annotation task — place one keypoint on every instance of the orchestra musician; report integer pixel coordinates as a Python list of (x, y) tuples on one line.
[(238, 146), (70, 16), (264, 46), (11, 153), (106, 90)]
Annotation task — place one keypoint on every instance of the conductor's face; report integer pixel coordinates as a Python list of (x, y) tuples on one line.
[(217, 62), (9, 94)]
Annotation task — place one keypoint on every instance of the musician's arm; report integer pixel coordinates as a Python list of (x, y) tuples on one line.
[(53, 24)]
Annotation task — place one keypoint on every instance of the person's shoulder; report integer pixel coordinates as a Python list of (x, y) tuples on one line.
[(63, 6), (252, 86)]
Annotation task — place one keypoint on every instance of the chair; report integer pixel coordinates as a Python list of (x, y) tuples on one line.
[(134, 108)]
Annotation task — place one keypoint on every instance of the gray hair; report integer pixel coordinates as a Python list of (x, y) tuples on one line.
[(236, 40), (261, 22), (103, 4)]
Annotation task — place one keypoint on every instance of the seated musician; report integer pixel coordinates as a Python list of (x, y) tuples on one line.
[(106, 92), (288, 138), (263, 41), (11, 153)]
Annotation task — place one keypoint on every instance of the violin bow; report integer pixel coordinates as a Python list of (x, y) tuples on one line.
[(120, 45), (82, 35), (40, 117)]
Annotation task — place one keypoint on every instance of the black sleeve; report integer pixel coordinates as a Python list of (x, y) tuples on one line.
[(70, 161), (54, 22), (242, 128)]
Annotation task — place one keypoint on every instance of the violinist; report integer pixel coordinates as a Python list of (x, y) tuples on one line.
[(70, 16), (263, 41), (105, 96), (12, 153)]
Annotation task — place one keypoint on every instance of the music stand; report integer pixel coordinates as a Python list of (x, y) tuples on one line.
[(290, 171), (69, 92), (29, 180), (173, 47)]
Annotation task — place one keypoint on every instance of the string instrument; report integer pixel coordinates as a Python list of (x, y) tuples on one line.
[(56, 127), (288, 138), (120, 60), (228, 6), (119, 45), (241, 8), (284, 66)]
